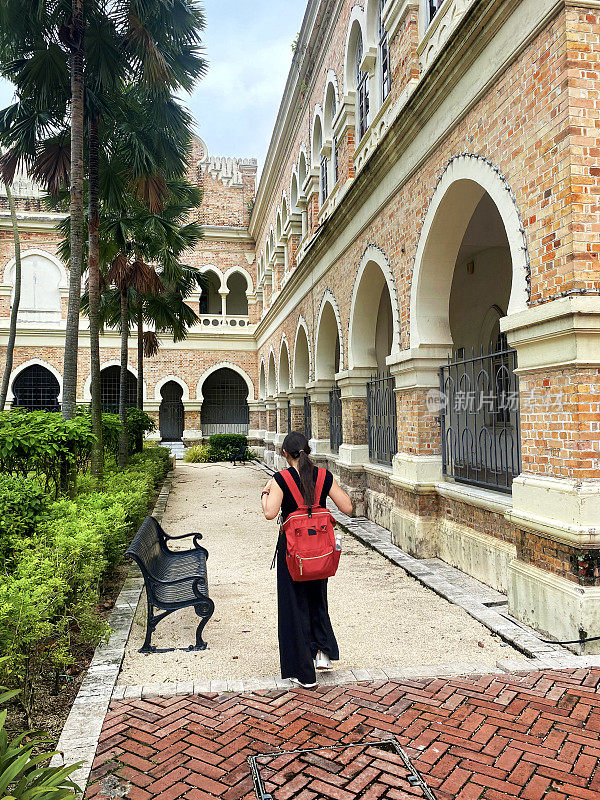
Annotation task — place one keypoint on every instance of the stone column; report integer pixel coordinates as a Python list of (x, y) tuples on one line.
[(192, 415), (271, 431), (256, 432), (417, 467), (296, 398), (353, 388), (312, 199), (294, 228), (554, 583), (302, 205), (344, 130), (224, 303), (319, 403)]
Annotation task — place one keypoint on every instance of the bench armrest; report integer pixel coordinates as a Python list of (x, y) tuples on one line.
[(195, 537)]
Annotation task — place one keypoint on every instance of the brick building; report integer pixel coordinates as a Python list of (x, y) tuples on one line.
[(422, 276)]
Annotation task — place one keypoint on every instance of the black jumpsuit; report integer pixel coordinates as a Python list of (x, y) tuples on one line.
[(304, 626)]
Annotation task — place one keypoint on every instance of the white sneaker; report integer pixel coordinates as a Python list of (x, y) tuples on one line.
[(322, 661), (304, 685)]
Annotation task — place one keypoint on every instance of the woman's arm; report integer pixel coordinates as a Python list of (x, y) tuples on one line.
[(340, 498), (271, 499)]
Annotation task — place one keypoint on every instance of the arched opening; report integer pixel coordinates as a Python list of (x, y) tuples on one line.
[(225, 403), (284, 369), (302, 172), (372, 340), (329, 114), (109, 389), (301, 359), (294, 193), (237, 299), (36, 389), (210, 299), (272, 377), (464, 286), (262, 382), (171, 412), (327, 365)]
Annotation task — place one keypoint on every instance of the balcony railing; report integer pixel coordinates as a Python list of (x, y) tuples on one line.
[(219, 321)]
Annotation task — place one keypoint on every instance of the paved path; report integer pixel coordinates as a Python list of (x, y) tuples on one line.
[(532, 736), (382, 616)]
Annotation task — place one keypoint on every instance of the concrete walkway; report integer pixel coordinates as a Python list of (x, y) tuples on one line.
[(382, 616)]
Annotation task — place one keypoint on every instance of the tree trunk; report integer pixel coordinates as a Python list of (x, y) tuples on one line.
[(140, 364), (14, 312), (94, 302), (77, 222), (123, 440)]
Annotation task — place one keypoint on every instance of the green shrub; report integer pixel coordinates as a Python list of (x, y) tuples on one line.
[(138, 423), (199, 454), (22, 502), (45, 444), (49, 597), (224, 445)]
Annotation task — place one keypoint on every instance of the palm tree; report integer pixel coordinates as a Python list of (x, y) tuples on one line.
[(14, 311), (128, 274)]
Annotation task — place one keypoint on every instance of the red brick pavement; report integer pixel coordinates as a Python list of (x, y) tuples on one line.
[(533, 736)]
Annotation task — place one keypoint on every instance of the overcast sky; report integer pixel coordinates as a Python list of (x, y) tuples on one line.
[(249, 47)]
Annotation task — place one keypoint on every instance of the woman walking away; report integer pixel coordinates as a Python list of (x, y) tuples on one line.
[(306, 638)]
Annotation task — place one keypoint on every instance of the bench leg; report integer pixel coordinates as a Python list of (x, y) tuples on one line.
[(204, 610), (147, 647)]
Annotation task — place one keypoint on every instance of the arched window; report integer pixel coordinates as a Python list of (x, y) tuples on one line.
[(210, 301), (334, 144), (36, 389), (384, 54), (362, 92), (109, 389), (225, 403), (237, 300), (434, 7), (40, 288)]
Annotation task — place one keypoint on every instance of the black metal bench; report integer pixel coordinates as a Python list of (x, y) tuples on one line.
[(174, 579)]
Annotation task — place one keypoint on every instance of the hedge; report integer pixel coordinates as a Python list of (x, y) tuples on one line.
[(49, 596), (220, 447)]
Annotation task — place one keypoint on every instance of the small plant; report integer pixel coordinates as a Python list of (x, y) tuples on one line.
[(23, 773), (225, 446), (199, 454)]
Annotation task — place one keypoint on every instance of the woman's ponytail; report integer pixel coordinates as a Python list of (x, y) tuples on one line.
[(296, 445)]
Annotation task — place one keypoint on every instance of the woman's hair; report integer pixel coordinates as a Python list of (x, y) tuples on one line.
[(296, 446)]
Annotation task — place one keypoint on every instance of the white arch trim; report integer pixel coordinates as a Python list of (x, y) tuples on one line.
[(329, 299), (87, 386), (211, 268), (374, 255), (284, 343), (35, 251), (262, 373), (330, 81), (275, 372), (357, 19), (428, 325), (315, 159), (225, 365), (232, 270), (163, 382), (302, 324), (33, 362)]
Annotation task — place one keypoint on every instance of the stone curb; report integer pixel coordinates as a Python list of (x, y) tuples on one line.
[(81, 732), (478, 600)]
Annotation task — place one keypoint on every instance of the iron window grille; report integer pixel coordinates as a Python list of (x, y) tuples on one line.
[(336, 437), (362, 93), (336, 161), (307, 417), (36, 389), (382, 419), (110, 379), (480, 419), (225, 405), (384, 54), (324, 186), (289, 416)]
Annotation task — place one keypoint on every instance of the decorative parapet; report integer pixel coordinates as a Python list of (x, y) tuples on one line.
[(443, 25)]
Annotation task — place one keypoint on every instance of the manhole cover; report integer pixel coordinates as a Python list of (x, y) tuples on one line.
[(366, 769)]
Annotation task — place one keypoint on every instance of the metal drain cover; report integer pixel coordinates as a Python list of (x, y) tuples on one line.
[(365, 769)]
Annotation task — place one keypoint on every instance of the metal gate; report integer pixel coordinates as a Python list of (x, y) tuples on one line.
[(481, 435), (307, 417), (336, 436), (381, 419), (171, 413), (36, 389), (225, 404), (289, 416)]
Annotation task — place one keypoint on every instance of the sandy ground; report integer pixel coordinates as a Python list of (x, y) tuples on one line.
[(380, 615)]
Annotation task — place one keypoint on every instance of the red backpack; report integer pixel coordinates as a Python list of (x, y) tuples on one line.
[(311, 553)]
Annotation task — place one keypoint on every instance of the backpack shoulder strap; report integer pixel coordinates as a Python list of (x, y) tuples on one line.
[(321, 475), (293, 487)]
